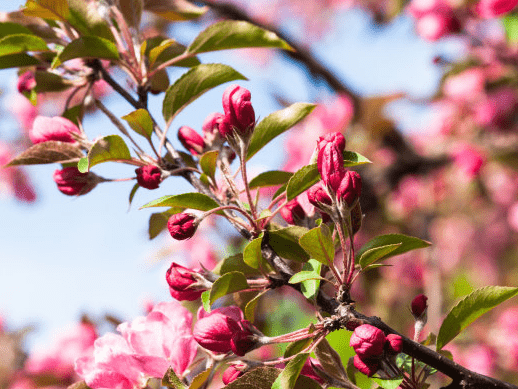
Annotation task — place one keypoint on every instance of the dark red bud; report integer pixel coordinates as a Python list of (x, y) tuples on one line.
[(366, 366), (191, 140), (232, 374), (243, 340), (72, 182), (350, 187), (26, 82), (182, 225), (367, 341), (239, 114), (394, 343), (215, 331), (317, 195), (419, 305), (149, 176), (180, 280), (293, 212), (330, 160)]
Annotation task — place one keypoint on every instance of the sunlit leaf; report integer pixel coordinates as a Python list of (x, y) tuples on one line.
[(87, 47), (252, 255), (192, 200), (21, 43), (406, 243), (318, 242), (172, 381), (228, 283), (208, 163), (175, 10), (140, 121), (372, 255), (108, 148), (270, 178)]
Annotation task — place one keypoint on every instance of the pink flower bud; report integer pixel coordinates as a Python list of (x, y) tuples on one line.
[(394, 343), (367, 341), (215, 331), (149, 176), (191, 140), (293, 212), (56, 128), (317, 195), (26, 82), (419, 305), (72, 182), (239, 113), (182, 225), (244, 340), (350, 188), (180, 280), (494, 8), (366, 366), (211, 123), (330, 160), (232, 374), (309, 370)]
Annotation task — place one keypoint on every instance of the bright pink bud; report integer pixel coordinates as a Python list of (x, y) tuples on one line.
[(330, 160), (26, 82), (215, 331), (394, 343), (244, 340), (317, 195), (419, 305), (180, 280), (292, 212), (56, 128), (211, 123), (239, 113), (350, 188), (72, 182), (191, 140), (366, 366), (367, 341), (182, 226), (308, 370), (494, 8), (149, 176), (232, 374), (435, 25)]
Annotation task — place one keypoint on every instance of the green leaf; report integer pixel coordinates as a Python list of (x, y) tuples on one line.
[(87, 22), (48, 152), (270, 178), (297, 347), (87, 47), (17, 61), (234, 34), (252, 255), (195, 82), (510, 22), (140, 121), (354, 159), (193, 200), (234, 263), (251, 305), (108, 148), (303, 179), (275, 124), (376, 253), (50, 82), (132, 193), (160, 50), (388, 384), (21, 43), (318, 242), (309, 288), (407, 243), (158, 221), (330, 361), (205, 300), (208, 163), (175, 10), (285, 242), (304, 276), (172, 381), (47, 9), (9, 28), (74, 114), (288, 377), (471, 308), (228, 283), (280, 191), (200, 379)]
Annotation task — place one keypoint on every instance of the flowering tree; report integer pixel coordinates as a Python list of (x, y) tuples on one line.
[(319, 232)]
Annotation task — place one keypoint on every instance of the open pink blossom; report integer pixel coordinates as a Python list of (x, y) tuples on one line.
[(56, 128)]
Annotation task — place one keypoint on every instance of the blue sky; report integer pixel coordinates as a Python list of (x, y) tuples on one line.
[(64, 256)]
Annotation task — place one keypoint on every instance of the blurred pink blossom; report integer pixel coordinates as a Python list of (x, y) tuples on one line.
[(435, 25), (512, 216), (494, 8), (498, 109), (468, 159), (23, 110), (13, 180), (466, 86)]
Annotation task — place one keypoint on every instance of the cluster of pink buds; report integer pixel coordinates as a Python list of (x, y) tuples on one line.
[(149, 176), (72, 182), (371, 345), (185, 284), (224, 330)]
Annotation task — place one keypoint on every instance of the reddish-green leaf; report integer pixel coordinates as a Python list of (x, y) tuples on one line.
[(48, 152), (140, 121)]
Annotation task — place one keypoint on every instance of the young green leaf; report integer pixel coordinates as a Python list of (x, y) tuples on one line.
[(234, 263), (288, 377), (208, 163), (251, 305), (205, 300), (193, 84), (285, 242), (200, 379), (132, 193), (166, 50), (108, 148), (406, 243), (297, 347), (175, 10), (193, 200), (275, 124), (471, 308), (228, 283), (50, 82), (388, 384), (172, 381), (140, 121), (9, 28), (354, 159), (304, 276), (158, 221), (309, 288), (510, 23), (234, 34), (318, 242), (87, 47), (270, 178), (303, 179), (21, 43), (252, 253), (47, 9), (48, 152), (376, 253), (17, 60)]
